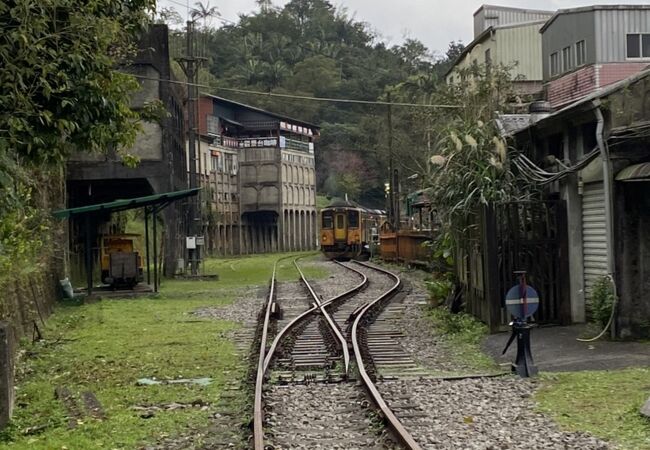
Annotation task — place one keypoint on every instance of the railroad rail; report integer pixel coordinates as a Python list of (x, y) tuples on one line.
[(363, 316), (362, 319), (258, 412)]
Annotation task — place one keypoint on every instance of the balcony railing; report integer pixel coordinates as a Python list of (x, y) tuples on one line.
[(264, 142), (294, 144)]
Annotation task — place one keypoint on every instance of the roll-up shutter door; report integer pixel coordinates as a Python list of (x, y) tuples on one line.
[(594, 235)]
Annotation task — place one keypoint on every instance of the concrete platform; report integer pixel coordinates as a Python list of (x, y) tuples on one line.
[(555, 349), (99, 292)]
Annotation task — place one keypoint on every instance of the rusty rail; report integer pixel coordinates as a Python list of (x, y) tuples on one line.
[(266, 356), (298, 319), (335, 329), (393, 422), (258, 413)]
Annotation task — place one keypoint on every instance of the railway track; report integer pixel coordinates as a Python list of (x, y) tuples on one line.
[(319, 347)]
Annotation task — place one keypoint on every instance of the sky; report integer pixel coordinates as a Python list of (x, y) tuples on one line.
[(434, 22)]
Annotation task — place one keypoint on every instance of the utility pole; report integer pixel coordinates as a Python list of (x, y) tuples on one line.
[(190, 64), (391, 189)]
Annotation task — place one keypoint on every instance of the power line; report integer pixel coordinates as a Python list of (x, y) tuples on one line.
[(298, 97)]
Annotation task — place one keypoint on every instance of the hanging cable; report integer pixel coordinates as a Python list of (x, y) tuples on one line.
[(532, 171), (296, 97)]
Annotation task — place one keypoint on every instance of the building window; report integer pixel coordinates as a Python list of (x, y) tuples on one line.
[(555, 63), (638, 45), (567, 59), (581, 53), (213, 125), (217, 162), (488, 61)]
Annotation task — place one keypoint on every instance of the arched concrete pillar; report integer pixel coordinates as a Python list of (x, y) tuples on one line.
[(299, 230), (310, 234), (290, 230), (283, 231), (303, 230), (315, 227), (294, 231)]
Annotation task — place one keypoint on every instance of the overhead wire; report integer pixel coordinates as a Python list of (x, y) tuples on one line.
[(532, 171), (297, 97)]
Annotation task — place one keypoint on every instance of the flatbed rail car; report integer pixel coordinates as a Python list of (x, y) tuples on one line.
[(348, 230)]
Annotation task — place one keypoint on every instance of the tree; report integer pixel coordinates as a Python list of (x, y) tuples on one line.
[(469, 165), (454, 50), (204, 12), (265, 5), (59, 92)]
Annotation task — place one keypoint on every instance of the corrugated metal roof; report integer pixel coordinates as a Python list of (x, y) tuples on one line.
[(129, 203), (601, 93), (634, 172), (260, 110), (590, 8)]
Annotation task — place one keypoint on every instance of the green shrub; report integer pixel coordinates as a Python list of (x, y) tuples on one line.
[(439, 288), (602, 301)]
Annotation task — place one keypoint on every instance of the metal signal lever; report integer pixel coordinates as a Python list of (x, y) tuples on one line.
[(524, 366)]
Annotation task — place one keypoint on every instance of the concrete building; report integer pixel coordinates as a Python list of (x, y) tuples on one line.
[(100, 178), (588, 48), (506, 36), (258, 173)]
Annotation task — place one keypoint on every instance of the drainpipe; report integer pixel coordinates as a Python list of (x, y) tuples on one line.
[(609, 203), (607, 186)]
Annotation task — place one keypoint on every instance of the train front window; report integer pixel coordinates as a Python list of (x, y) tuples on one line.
[(340, 221), (353, 219), (327, 220)]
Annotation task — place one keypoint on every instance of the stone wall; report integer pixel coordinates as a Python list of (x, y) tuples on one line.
[(30, 289)]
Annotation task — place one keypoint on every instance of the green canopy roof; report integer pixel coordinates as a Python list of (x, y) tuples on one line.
[(129, 203)]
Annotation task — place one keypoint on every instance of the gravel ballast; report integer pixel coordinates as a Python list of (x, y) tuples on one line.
[(484, 413)]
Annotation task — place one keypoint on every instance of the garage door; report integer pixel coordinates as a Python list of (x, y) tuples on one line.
[(594, 235)]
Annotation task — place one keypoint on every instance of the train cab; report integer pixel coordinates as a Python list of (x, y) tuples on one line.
[(345, 230)]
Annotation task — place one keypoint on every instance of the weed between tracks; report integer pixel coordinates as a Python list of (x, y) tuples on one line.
[(105, 347)]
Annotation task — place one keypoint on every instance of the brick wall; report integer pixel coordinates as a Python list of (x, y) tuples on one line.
[(575, 85), (205, 109)]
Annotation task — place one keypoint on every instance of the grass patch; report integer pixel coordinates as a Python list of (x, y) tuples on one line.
[(603, 403), (254, 270), (464, 334), (105, 347)]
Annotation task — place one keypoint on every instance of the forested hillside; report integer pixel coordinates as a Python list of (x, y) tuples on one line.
[(310, 48)]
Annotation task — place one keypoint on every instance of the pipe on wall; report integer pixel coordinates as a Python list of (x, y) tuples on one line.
[(608, 187)]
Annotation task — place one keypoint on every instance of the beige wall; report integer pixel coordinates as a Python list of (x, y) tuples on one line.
[(298, 179), (522, 45)]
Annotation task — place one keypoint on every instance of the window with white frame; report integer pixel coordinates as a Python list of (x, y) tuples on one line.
[(638, 45), (217, 162), (567, 59), (581, 53), (555, 63)]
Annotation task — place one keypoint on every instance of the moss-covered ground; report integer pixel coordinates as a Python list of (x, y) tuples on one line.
[(603, 403), (462, 334), (106, 346)]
